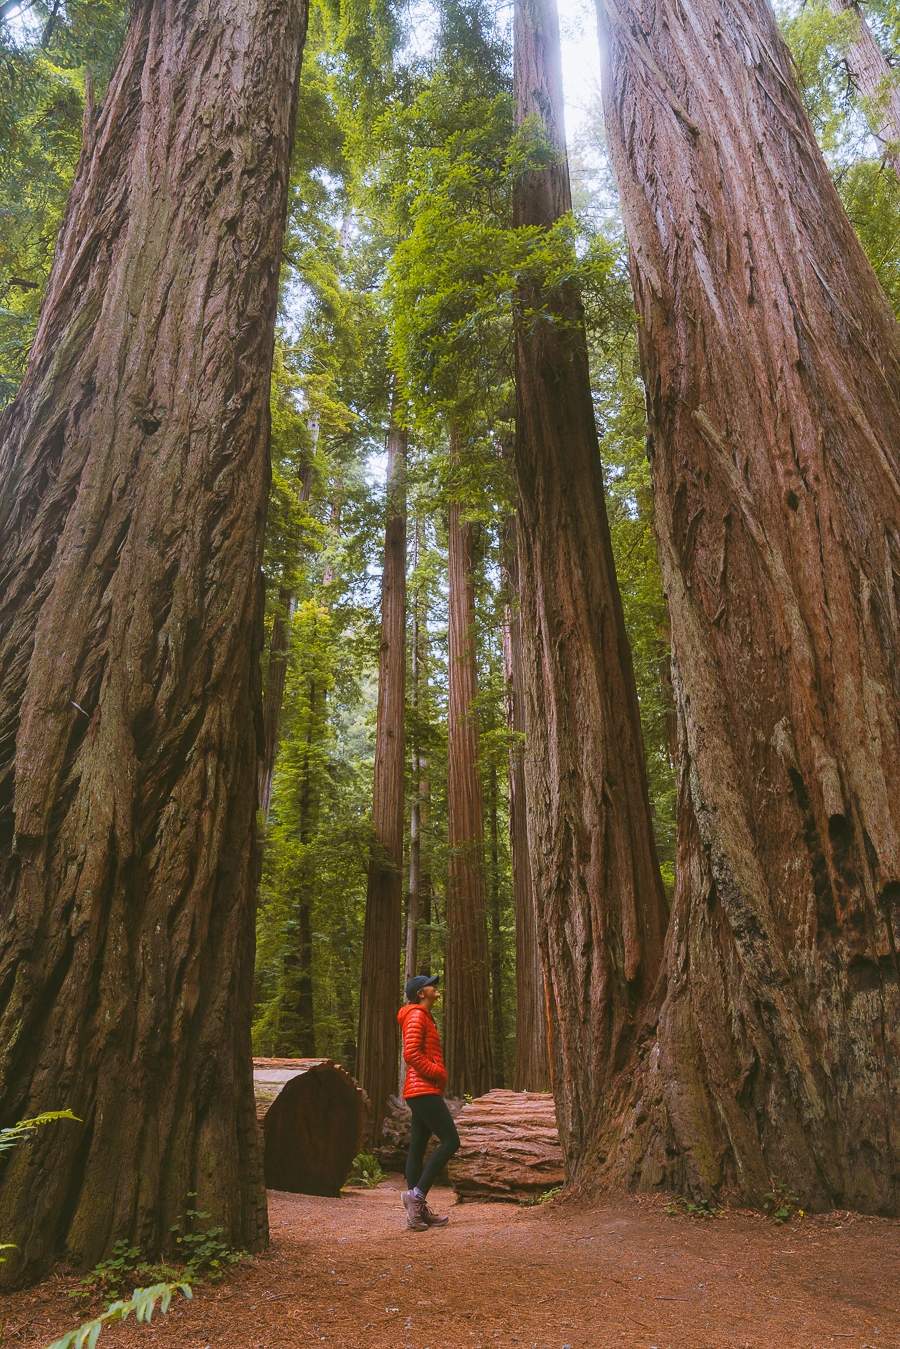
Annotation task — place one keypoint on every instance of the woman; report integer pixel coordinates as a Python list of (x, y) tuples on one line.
[(423, 1091)]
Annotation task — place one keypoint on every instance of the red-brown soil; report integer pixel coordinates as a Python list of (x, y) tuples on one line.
[(344, 1273)]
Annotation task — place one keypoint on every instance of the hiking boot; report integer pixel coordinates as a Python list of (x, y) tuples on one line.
[(415, 1210), (434, 1219)]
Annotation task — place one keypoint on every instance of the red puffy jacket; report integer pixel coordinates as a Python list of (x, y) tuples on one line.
[(425, 1071)]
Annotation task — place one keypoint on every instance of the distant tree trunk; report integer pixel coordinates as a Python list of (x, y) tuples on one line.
[(134, 471), (498, 1030), (876, 80), (276, 669), (771, 360), (467, 1012), (601, 905), (273, 697), (532, 1068), (417, 673), (328, 574), (296, 1031), (382, 938)]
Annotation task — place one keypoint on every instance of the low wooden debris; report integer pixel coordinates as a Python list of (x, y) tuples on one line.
[(395, 1130), (509, 1147), (315, 1119)]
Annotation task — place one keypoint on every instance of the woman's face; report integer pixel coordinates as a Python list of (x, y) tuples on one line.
[(430, 995)]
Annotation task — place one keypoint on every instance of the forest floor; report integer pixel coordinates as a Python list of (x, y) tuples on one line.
[(345, 1273)]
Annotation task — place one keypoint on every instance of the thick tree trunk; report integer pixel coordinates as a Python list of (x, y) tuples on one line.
[(772, 365), (876, 80), (602, 908), (378, 1061), (532, 1068), (133, 479), (467, 1011)]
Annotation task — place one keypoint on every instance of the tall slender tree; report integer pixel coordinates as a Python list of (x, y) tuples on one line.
[(418, 685), (601, 904), (876, 80), (467, 1012), (377, 1060), (133, 478), (771, 360), (532, 1067)]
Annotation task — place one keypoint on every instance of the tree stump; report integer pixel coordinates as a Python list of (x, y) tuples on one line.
[(509, 1147), (315, 1119)]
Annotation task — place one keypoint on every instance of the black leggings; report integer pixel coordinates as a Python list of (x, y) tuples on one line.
[(429, 1116)]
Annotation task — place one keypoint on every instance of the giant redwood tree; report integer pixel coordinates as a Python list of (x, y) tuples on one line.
[(771, 360), (600, 901), (378, 1063), (133, 482)]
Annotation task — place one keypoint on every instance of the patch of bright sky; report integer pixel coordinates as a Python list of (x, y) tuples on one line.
[(23, 23), (580, 65)]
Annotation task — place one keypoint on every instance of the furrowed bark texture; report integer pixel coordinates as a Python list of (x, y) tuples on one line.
[(467, 1008), (134, 474), (772, 365), (532, 1068), (876, 80), (600, 901), (382, 936)]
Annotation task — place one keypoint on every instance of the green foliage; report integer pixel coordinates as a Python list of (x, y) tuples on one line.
[(41, 109), (542, 1198), (703, 1208), (317, 840), (143, 1303), (17, 1133), (844, 121), (780, 1202), (366, 1171), (205, 1258)]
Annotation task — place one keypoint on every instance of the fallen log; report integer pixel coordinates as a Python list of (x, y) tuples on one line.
[(509, 1147), (394, 1146), (315, 1119)]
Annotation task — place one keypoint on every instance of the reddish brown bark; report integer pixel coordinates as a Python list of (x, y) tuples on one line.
[(601, 905), (772, 365), (418, 681), (378, 1061), (876, 80), (133, 480), (532, 1068), (467, 1010), (509, 1147), (498, 1029)]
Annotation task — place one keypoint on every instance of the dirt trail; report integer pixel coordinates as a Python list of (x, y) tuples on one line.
[(344, 1273)]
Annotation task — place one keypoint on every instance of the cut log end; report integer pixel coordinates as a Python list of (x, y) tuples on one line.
[(315, 1119)]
